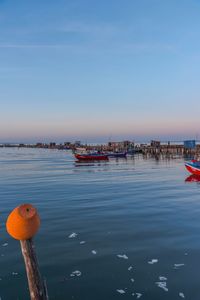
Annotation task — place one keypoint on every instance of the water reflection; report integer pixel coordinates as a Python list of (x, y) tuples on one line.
[(80, 163), (193, 178)]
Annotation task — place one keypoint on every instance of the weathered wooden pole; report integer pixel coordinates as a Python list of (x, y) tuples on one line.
[(22, 224)]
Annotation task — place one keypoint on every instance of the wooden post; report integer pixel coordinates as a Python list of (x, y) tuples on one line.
[(37, 287), (22, 224)]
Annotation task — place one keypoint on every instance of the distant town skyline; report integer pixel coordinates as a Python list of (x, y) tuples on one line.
[(99, 70)]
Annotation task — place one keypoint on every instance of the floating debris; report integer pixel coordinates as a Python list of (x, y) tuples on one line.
[(162, 278), (121, 291), (94, 252), (153, 261), (176, 266), (130, 268), (162, 285), (181, 295), (5, 244), (132, 280), (138, 295), (75, 273), (124, 256), (82, 242), (72, 235)]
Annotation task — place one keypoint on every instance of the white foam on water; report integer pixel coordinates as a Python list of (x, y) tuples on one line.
[(132, 280), (121, 291), (72, 235), (153, 261), (162, 285), (14, 273), (162, 278), (124, 256), (130, 268), (138, 295), (82, 242), (5, 244), (176, 266), (181, 295), (94, 252), (76, 273)]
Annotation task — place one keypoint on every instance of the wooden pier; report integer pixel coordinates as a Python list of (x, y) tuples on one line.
[(154, 148), (171, 151)]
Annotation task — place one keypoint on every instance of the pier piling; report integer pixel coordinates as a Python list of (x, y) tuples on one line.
[(37, 287)]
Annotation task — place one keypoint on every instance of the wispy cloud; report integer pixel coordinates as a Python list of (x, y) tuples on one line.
[(35, 46), (83, 36), (148, 47), (98, 37), (126, 48), (91, 29)]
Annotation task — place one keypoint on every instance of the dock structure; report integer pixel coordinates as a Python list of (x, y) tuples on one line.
[(170, 150), (163, 150), (190, 148), (152, 149)]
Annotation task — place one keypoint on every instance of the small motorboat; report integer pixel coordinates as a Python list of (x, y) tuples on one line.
[(193, 167), (116, 154), (90, 156)]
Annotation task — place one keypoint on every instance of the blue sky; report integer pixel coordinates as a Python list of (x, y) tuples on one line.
[(98, 70)]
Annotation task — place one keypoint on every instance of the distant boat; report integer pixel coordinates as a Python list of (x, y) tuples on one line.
[(193, 167), (116, 154), (91, 156)]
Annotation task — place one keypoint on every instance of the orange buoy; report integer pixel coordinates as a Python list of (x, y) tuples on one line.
[(23, 222)]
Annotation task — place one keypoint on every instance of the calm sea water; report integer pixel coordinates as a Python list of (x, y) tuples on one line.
[(140, 209)]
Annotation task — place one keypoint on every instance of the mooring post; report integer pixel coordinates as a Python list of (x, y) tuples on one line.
[(22, 224)]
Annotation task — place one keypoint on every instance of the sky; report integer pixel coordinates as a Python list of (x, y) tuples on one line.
[(97, 71)]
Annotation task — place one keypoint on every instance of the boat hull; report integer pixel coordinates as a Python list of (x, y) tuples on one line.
[(193, 169), (88, 157)]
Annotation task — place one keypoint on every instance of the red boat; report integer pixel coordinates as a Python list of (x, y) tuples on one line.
[(91, 156), (193, 167)]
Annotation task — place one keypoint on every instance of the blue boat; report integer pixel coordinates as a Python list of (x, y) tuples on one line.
[(116, 154)]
